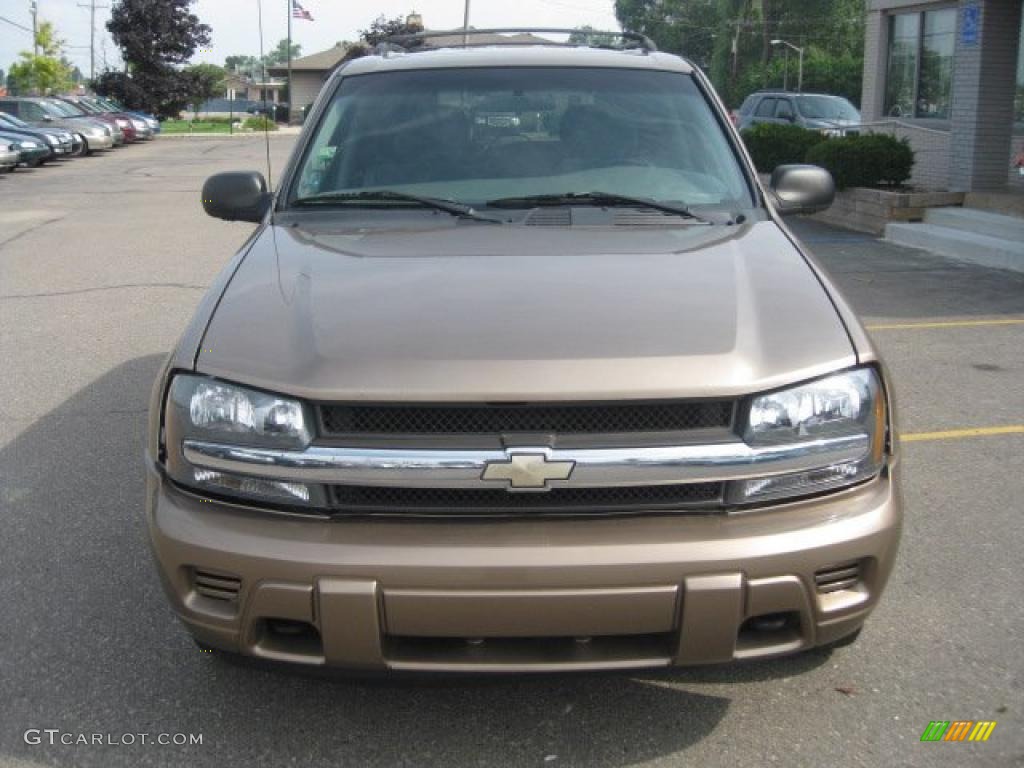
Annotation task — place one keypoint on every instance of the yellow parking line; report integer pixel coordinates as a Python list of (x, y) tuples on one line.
[(946, 324), (953, 434)]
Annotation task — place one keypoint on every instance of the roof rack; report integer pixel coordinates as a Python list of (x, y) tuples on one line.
[(411, 43)]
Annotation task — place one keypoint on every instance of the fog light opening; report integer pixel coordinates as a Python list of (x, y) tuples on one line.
[(290, 637), (768, 630)]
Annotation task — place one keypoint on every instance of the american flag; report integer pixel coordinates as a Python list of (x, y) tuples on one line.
[(298, 12)]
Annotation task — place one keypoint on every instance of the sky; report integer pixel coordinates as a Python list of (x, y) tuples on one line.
[(235, 29)]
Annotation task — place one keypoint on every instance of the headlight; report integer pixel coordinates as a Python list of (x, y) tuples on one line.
[(220, 412), (29, 145), (207, 410), (838, 407), (52, 139)]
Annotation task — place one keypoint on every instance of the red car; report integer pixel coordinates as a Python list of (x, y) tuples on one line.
[(121, 120)]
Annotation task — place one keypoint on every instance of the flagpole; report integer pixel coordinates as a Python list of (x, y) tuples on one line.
[(290, 62)]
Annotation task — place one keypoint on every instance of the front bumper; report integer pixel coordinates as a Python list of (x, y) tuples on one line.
[(523, 594), (99, 142), (30, 156)]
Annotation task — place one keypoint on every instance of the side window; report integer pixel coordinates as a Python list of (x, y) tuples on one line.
[(784, 110), (766, 108), (32, 111), (10, 107)]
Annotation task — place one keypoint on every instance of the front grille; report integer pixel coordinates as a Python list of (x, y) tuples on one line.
[(477, 419), (357, 499)]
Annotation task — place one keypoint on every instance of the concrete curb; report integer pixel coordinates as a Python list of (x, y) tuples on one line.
[(288, 130)]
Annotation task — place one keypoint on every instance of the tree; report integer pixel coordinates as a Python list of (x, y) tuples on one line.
[(685, 27), (206, 81), (155, 37), (587, 35), (46, 72), (280, 54), (732, 39), (157, 32), (380, 29), (242, 64)]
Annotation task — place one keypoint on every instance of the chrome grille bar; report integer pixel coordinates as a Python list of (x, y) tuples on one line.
[(591, 468)]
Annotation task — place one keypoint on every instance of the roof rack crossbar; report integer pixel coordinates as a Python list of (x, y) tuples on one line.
[(403, 41)]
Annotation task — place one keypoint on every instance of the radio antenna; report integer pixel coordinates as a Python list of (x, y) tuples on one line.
[(266, 127)]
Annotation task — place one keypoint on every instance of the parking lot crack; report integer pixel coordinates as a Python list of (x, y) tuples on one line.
[(31, 229), (95, 289)]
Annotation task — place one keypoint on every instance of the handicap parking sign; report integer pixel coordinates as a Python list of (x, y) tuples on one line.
[(969, 25)]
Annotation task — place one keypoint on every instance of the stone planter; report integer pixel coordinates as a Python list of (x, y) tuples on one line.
[(869, 210)]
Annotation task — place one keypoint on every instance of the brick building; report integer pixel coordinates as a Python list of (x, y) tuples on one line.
[(949, 75)]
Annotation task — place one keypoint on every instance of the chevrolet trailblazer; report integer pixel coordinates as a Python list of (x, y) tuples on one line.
[(561, 394)]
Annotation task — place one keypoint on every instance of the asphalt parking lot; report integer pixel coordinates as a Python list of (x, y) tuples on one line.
[(101, 264)]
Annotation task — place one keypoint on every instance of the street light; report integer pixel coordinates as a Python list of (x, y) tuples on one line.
[(800, 70)]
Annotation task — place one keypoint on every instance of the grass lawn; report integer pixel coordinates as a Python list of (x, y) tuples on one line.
[(182, 126)]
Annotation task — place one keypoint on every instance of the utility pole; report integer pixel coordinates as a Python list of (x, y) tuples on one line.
[(465, 25), (290, 9), (92, 35), (35, 30)]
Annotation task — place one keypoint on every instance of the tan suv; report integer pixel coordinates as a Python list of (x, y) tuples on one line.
[(562, 393)]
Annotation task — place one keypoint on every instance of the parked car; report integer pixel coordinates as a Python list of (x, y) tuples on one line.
[(33, 151), (832, 115), (93, 134), (9, 156), (139, 128), (569, 398), (122, 122), (72, 110), (150, 120), (59, 140)]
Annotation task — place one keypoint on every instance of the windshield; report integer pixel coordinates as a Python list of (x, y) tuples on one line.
[(61, 109), (827, 108), (481, 134)]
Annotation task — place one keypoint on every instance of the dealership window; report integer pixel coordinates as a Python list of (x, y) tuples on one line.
[(1018, 95), (919, 75)]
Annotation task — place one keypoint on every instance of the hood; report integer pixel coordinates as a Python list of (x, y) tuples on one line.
[(482, 313)]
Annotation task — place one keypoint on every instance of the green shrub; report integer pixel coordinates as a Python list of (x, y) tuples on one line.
[(866, 160), (259, 124), (772, 144)]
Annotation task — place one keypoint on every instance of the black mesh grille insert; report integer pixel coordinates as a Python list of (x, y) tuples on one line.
[(667, 416), (358, 499)]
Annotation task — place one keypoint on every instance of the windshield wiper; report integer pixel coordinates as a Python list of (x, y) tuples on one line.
[(388, 195), (600, 198)]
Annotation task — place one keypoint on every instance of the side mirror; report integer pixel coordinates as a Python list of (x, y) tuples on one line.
[(236, 196), (801, 189)]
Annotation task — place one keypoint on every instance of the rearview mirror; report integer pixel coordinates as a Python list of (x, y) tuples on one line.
[(236, 196), (801, 189)]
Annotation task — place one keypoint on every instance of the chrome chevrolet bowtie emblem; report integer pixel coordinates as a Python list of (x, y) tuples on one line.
[(527, 471)]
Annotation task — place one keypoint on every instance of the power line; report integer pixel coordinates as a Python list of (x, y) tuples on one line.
[(15, 24)]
